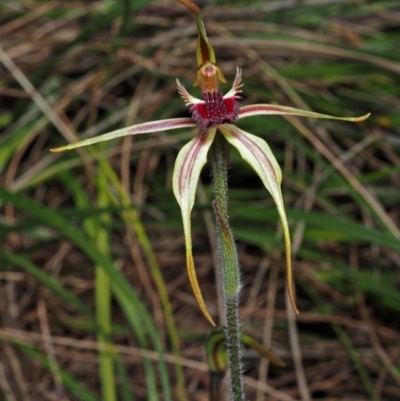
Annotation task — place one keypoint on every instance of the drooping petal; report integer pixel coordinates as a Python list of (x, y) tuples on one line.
[(188, 165), (145, 128), (258, 154), (274, 109)]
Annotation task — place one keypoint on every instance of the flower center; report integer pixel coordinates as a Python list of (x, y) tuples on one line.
[(215, 110)]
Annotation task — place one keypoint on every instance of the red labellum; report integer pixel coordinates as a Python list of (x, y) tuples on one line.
[(215, 110)]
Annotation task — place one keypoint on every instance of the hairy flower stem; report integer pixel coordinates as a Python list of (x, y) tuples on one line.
[(219, 160)]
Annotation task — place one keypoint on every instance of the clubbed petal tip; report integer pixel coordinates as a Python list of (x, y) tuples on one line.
[(188, 166), (258, 154)]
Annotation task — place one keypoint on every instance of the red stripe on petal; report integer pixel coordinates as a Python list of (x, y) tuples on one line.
[(257, 152), (190, 160), (247, 111), (155, 126)]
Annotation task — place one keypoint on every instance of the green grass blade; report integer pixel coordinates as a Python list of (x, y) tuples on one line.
[(135, 312), (347, 230), (49, 282), (68, 381), (103, 301), (131, 217), (125, 390), (346, 342)]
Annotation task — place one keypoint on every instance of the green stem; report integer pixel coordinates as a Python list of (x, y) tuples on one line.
[(219, 160)]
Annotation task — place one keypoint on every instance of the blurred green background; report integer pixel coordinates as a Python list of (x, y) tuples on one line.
[(95, 299)]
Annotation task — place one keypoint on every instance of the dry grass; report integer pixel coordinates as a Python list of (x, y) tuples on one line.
[(99, 66)]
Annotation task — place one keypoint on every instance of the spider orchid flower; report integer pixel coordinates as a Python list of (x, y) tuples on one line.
[(216, 112)]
